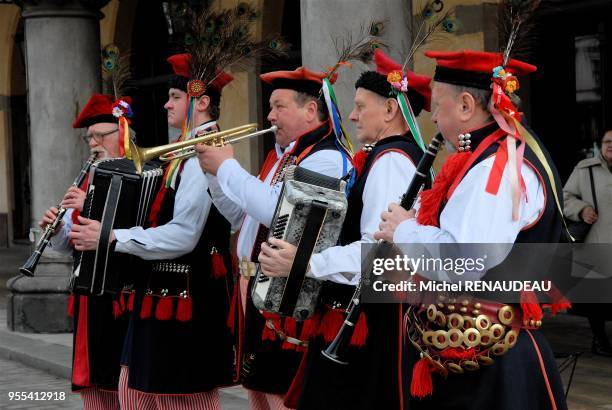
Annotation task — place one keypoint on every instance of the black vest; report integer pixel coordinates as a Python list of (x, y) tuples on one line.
[(351, 229), (173, 357), (371, 380)]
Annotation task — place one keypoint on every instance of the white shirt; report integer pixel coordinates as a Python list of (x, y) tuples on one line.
[(246, 201), (387, 181), (472, 215), (179, 236)]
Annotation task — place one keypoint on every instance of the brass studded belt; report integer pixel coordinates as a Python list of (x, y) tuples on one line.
[(457, 334), (170, 267)]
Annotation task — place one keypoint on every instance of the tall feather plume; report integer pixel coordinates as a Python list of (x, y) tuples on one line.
[(433, 20), (515, 23), (360, 48), (115, 71), (218, 40)]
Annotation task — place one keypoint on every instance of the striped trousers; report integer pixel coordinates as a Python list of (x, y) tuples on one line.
[(98, 399), (259, 400), (266, 401), (131, 399)]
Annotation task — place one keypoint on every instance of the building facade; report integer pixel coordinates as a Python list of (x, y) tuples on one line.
[(49, 65)]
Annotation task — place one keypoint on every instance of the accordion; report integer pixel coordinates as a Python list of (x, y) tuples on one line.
[(309, 214), (118, 197)]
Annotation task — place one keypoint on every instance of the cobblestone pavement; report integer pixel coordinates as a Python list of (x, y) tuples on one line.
[(15, 377)]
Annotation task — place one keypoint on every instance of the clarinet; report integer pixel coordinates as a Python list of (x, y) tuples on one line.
[(336, 350), (30, 265)]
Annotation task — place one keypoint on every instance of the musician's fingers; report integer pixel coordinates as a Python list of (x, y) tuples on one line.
[(394, 207), (264, 259), (384, 235), (84, 221), (266, 249), (69, 203), (279, 243), (385, 215)]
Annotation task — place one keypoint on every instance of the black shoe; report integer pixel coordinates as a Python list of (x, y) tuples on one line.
[(601, 347)]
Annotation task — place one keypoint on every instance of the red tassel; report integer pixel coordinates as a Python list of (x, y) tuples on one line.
[(331, 323), (117, 311), (559, 306), (70, 307), (421, 385), (432, 199), (531, 307), (454, 353), (310, 326), (130, 304), (122, 302), (163, 310), (231, 316), (147, 307), (360, 334), (217, 269), (156, 206), (184, 309), (267, 333), (359, 160), (290, 329), (559, 302)]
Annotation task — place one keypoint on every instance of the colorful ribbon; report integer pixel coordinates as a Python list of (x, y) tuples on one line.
[(413, 125)]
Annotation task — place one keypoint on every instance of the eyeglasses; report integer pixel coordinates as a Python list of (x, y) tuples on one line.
[(98, 136)]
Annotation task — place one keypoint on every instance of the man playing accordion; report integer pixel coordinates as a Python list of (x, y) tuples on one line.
[(383, 170), (99, 329), (305, 137)]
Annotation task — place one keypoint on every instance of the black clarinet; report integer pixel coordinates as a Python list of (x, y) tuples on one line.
[(30, 265), (336, 350)]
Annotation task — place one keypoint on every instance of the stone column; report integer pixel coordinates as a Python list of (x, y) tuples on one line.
[(322, 21), (62, 40)]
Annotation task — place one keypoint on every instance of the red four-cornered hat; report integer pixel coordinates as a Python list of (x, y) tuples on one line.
[(301, 80), (473, 68), (419, 83), (98, 109), (181, 63)]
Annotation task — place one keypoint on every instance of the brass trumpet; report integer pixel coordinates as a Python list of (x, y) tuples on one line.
[(183, 149)]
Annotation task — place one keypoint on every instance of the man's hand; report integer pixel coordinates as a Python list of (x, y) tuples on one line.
[(86, 234), (48, 218), (211, 158), (74, 198), (391, 219), (277, 262), (589, 215)]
